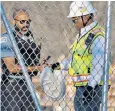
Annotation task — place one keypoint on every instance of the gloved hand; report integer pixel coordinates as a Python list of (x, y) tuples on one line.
[(55, 66), (88, 94)]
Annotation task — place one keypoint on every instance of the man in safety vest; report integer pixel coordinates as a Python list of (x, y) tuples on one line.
[(87, 57), (86, 65)]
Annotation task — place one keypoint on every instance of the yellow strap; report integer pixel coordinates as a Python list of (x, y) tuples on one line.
[(80, 75), (85, 83)]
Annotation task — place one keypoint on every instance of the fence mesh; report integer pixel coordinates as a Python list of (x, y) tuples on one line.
[(43, 30)]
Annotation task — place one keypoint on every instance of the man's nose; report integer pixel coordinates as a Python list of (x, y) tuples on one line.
[(26, 25)]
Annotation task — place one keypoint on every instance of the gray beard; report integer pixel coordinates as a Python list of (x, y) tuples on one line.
[(19, 30)]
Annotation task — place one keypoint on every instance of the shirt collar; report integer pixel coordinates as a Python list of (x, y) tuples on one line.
[(87, 28)]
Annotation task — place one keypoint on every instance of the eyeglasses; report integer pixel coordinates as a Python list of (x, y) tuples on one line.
[(75, 20), (23, 21)]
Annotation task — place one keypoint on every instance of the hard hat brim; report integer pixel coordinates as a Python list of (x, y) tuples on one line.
[(78, 15)]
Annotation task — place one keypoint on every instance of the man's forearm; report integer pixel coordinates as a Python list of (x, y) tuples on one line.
[(34, 68), (18, 69), (65, 63)]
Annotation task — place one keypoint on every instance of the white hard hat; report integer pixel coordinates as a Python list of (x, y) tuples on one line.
[(80, 8)]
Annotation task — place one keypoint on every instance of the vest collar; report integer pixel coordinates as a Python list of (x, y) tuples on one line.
[(87, 28)]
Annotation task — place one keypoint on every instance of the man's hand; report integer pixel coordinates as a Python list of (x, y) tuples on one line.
[(41, 67), (44, 61), (55, 66)]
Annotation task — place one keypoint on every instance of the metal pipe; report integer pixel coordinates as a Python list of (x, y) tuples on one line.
[(107, 57), (20, 59)]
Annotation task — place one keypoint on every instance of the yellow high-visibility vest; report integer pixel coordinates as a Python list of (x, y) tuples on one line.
[(81, 64)]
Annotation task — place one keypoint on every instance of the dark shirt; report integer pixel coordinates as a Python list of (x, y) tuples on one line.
[(29, 50)]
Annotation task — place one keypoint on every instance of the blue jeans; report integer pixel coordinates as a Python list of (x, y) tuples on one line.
[(94, 105)]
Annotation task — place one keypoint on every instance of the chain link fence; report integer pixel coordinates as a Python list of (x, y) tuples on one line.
[(47, 38)]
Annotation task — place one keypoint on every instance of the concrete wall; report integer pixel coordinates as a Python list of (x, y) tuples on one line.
[(51, 26)]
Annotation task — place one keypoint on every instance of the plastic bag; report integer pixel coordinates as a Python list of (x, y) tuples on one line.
[(53, 83)]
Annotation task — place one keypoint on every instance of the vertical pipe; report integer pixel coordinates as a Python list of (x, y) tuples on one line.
[(107, 57), (20, 59), (0, 64)]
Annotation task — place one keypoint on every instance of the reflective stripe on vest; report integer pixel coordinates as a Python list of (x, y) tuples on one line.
[(82, 80), (84, 83), (82, 58)]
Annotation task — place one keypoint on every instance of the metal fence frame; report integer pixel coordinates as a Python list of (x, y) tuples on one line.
[(107, 56), (24, 70)]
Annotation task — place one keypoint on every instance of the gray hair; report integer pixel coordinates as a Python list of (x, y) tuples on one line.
[(16, 11)]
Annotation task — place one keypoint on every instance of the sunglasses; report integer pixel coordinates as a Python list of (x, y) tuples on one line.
[(23, 21), (75, 20)]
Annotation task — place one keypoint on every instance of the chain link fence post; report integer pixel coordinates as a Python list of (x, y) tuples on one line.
[(24, 70), (107, 56)]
